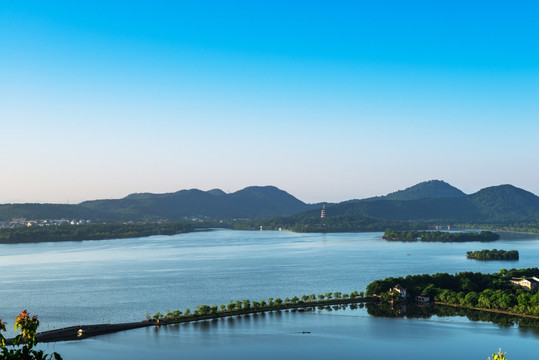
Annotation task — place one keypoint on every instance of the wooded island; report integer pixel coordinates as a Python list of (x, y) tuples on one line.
[(494, 254), (510, 291), (439, 236)]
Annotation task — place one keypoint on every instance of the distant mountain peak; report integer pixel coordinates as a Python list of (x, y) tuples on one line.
[(216, 192), (424, 190), (506, 190)]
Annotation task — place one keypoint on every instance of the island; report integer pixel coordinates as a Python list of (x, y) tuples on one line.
[(439, 236), (494, 254), (511, 292)]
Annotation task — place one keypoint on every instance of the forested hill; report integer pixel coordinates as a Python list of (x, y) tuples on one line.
[(428, 202), (251, 202), (497, 205), (424, 190)]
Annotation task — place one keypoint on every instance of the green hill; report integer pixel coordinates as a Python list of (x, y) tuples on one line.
[(425, 203), (502, 204), (498, 205), (506, 204), (426, 190), (251, 202)]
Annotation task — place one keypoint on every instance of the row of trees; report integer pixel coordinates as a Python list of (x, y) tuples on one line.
[(488, 291), (262, 305), (493, 254), (532, 227), (53, 233), (336, 223), (439, 236)]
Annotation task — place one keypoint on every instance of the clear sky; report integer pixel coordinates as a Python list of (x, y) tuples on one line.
[(328, 100)]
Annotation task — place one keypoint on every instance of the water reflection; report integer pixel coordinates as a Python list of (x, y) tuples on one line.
[(376, 332), (415, 311)]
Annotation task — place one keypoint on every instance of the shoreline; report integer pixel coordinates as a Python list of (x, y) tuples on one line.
[(496, 311)]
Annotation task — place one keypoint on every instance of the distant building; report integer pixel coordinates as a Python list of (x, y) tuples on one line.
[(323, 212), (400, 290), (422, 298), (526, 283)]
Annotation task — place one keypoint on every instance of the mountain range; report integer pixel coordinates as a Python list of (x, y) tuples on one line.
[(433, 200), (436, 200), (251, 202)]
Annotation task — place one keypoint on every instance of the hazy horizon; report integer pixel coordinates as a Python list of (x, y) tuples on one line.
[(327, 101)]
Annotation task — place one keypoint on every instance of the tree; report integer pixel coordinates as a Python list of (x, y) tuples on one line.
[(202, 310), (498, 356), (471, 298), (23, 344), (176, 314)]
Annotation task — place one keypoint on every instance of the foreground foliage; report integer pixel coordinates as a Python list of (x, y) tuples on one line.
[(498, 356), (25, 341)]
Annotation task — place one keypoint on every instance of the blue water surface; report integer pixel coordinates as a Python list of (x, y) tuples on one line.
[(88, 282)]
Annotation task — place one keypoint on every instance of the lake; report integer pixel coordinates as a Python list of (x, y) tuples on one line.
[(87, 282)]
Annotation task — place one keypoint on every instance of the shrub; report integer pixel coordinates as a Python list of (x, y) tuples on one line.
[(23, 343)]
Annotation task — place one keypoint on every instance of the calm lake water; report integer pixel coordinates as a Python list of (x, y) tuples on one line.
[(89, 282)]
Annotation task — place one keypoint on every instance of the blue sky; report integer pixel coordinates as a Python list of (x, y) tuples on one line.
[(326, 100)]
